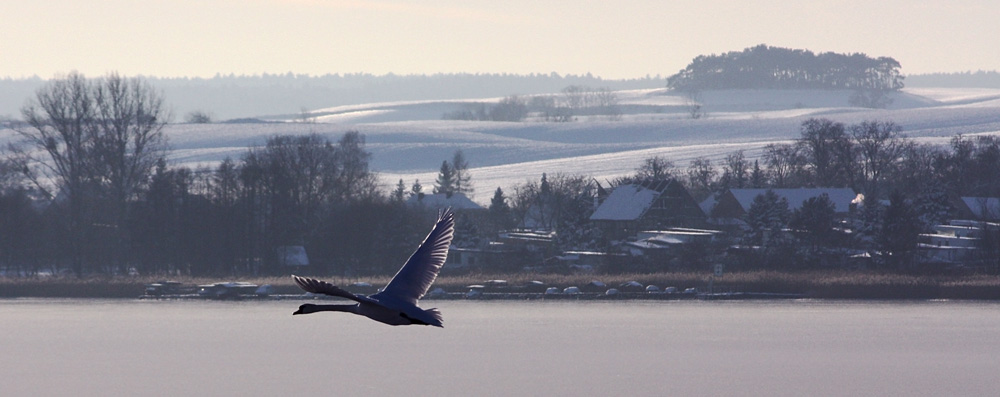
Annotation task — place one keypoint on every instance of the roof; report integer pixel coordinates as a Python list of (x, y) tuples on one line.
[(457, 201), (625, 203), (708, 204), (841, 197), (983, 207)]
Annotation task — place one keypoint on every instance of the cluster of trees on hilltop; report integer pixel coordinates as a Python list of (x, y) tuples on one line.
[(574, 100), (765, 67)]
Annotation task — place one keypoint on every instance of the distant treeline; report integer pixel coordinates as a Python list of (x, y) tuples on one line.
[(977, 79), (765, 67), (231, 96)]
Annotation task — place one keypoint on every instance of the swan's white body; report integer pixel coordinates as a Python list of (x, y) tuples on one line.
[(396, 304)]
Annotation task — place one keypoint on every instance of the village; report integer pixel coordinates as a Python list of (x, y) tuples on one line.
[(658, 226)]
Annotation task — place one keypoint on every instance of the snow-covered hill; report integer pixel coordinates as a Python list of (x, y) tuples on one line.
[(409, 140)]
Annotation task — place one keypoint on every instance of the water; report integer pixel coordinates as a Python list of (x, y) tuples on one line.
[(122, 347)]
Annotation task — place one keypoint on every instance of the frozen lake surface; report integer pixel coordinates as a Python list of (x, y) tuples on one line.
[(122, 347)]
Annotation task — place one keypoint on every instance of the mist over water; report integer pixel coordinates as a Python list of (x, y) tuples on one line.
[(122, 347)]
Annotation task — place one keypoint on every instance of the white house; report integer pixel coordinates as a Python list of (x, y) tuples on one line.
[(954, 242)]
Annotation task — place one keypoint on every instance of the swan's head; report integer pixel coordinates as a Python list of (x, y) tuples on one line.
[(306, 309)]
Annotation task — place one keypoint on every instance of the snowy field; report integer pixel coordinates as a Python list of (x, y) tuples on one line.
[(409, 140)]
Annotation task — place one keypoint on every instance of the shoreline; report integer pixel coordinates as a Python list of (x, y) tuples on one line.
[(523, 286), (519, 296)]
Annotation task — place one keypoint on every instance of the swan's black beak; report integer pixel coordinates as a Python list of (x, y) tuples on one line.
[(303, 307)]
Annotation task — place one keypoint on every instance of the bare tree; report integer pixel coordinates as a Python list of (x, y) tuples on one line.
[(89, 140), (463, 179), (827, 148), (510, 108), (785, 165), (735, 171), (656, 167), (607, 104), (880, 145), (128, 142), (574, 97), (701, 178), (692, 100)]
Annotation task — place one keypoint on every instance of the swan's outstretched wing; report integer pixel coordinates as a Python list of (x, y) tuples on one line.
[(419, 272), (322, 287)]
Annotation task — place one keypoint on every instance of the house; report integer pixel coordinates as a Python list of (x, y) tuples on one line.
[(954, 242), (512, 250), (731, 206), (647, 205), (663, 242), (977, 208)]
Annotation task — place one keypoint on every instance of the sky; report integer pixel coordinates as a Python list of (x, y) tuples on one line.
[(611, 39)]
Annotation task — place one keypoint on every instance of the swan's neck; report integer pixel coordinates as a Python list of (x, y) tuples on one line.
[(311, 308)]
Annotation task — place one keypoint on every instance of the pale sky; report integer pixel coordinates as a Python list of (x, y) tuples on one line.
[(611, 39)]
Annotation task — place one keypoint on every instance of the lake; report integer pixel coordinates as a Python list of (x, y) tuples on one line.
[(594, 348)]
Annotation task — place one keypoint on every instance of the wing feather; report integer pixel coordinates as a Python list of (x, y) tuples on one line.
[(322, 287), (419, 272)]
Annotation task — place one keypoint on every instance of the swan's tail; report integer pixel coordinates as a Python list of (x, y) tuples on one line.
[(437, 316)]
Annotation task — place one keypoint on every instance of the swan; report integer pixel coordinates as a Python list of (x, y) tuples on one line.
[(396, 304)]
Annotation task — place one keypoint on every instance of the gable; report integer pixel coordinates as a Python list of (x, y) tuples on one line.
[(983, 207), (625, 203)]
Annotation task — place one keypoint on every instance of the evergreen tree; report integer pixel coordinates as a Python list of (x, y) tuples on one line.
[(399, 194), (500, 212), (767, 215), (932, 205), (417, 189), (768, 67), (814, 221), (445, 182), (899, 233), (757, 177)]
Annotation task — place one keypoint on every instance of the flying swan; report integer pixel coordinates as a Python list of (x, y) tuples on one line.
[(396, 304)]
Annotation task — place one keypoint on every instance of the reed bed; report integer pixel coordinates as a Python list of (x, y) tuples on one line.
[(819, 285)]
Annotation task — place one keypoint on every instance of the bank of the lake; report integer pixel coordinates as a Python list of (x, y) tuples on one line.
[(815, 285)]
